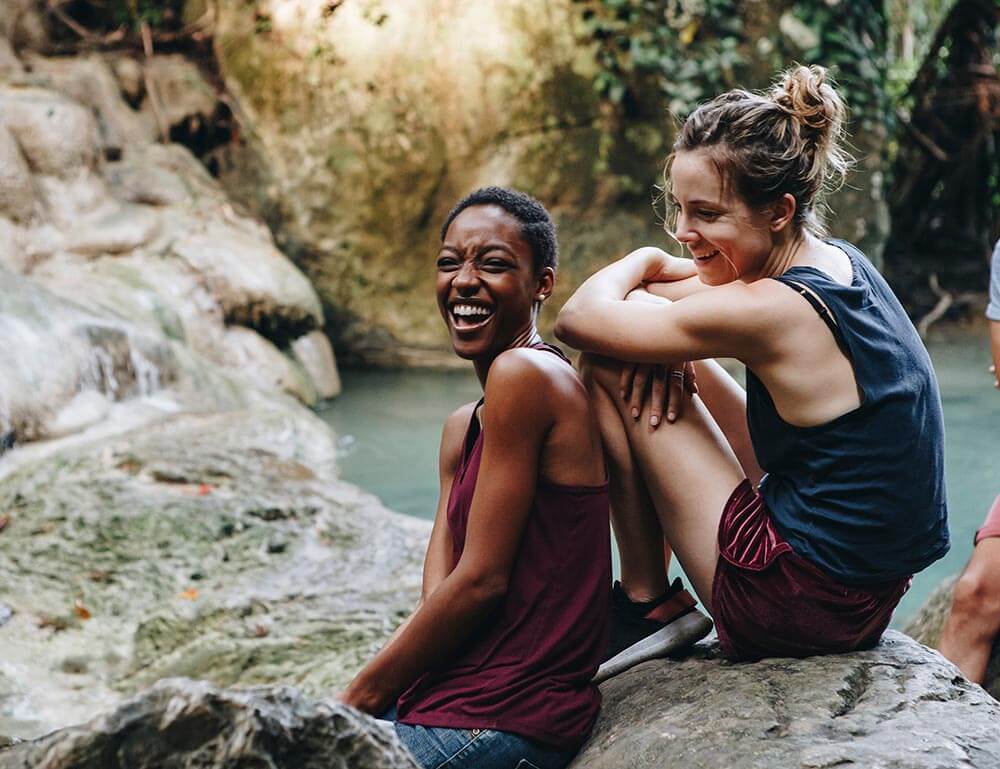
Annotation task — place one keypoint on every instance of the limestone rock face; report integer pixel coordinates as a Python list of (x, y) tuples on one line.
[(120, 255), (898, 705), (181, 724), (928, 622)]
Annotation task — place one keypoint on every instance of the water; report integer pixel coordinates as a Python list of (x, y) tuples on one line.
[(389, 427)]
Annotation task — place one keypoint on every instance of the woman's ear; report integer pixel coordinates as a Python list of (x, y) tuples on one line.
[(545, 283), (782, 211)]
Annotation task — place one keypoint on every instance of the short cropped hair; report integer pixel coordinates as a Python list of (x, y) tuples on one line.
[(536, 224)]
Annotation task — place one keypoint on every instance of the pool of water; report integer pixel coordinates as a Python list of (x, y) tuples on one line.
[(389, 425)]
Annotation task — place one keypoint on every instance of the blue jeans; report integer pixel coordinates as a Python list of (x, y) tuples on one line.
[(436, 747)]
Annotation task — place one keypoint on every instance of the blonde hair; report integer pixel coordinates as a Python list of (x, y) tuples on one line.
[(786, 140)]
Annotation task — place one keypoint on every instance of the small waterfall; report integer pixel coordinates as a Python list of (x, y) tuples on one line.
[(148, 376)]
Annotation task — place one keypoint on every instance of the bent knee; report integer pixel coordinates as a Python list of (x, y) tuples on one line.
[(599, 371), (977, 594)]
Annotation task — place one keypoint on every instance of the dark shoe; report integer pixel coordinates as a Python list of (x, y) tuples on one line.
[(646, 630)]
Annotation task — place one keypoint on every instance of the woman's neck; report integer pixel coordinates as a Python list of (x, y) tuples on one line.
[(527, 338), (787, 252)]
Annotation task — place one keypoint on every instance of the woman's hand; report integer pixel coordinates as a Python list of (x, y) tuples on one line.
[(660, 267), (664, 386), (366, 701)]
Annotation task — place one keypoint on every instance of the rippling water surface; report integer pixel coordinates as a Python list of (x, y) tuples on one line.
[(389, 426)]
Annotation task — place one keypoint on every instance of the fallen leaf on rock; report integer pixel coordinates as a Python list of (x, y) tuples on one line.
[(190, 594), (4, 520), (204, 490), (80, 610), (260, 631)]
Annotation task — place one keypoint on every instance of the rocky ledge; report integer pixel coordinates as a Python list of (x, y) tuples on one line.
[(899, 705)]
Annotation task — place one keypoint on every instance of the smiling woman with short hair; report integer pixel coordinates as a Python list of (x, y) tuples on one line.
[(493, 669)]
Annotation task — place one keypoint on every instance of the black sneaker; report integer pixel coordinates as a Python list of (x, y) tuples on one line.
[(646, 630)]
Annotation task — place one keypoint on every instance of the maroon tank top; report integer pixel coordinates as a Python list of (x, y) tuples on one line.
[(528, 669)]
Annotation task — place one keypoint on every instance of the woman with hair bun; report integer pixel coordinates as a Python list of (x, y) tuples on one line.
[(799, 509)]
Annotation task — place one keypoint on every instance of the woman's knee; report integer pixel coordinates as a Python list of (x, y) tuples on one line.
[(977, 596), (599, 371)]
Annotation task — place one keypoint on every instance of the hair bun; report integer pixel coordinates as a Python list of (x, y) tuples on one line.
[(804, 94)]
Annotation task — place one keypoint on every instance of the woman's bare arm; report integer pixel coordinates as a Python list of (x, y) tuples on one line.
[(736, 320), (516, 420)]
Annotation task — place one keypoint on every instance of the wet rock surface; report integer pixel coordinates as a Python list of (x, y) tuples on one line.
[(898, 705), (182, 724)]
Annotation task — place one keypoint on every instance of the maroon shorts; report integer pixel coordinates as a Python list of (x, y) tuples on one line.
[(769, 602), (991, 526)]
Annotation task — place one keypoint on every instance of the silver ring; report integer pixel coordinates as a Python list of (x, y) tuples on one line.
[(679, 373)]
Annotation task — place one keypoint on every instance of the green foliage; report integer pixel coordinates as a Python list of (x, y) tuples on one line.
[(688, 47), (691, 50), (852, 44), (156, 13)]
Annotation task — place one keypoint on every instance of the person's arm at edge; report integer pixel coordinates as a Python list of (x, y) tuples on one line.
[(995, 350), (515, 422)]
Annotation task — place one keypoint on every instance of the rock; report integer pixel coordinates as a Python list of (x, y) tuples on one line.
[(123, 229), (89, 80), (181, 724), (928, 622), (898, 705), (266, 366), (255, 284), (128, 72), (57, 135), (118, 525), (17, 189), (183, 92), (314, 352), (146, 184), (10, 66), (87, 408)]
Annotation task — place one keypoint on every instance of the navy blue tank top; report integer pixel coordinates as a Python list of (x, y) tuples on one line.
[(862, 496)]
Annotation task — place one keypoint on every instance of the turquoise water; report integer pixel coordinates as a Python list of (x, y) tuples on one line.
[(389, 426)]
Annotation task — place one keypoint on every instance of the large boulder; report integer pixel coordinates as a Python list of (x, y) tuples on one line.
[(899, 705), (928, 622), (180, 724)]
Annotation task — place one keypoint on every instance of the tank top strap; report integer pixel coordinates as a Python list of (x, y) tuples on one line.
[(821, 309), (552, 349), (471, 436)]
